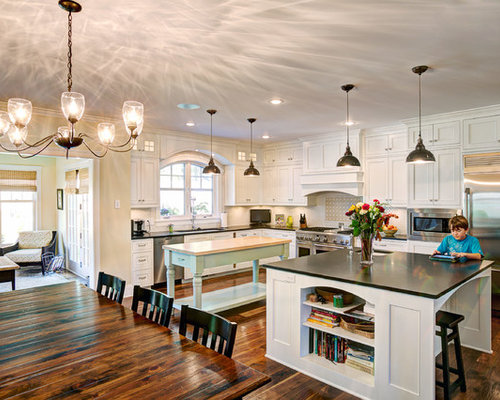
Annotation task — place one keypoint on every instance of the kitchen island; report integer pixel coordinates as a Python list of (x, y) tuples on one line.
[(404, 290), (197, 256)]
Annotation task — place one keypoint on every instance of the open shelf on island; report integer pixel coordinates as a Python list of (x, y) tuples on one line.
[(343, 369), (341, 332), (328, 306)]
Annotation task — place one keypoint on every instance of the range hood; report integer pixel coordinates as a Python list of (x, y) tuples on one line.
[(349, 180)]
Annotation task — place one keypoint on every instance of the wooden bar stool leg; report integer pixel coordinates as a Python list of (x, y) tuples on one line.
[(446, 362), (460, 361)]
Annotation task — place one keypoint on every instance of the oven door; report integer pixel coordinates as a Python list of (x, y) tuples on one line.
[(325, 248), (304, 249)]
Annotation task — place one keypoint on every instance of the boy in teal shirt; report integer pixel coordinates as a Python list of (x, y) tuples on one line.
[(459, 243)]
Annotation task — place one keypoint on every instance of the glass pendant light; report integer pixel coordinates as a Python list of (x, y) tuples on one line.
[(211, 168), (251, 170), (348, 160), (420, 155)]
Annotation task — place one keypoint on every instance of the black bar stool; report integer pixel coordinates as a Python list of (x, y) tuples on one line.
[(446, 320)]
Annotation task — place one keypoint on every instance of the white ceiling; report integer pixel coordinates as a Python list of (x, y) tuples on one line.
[(235, 55)]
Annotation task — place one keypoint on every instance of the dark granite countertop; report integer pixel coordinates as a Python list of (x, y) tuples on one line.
[(400, 272), (397, 236), (152, 235)]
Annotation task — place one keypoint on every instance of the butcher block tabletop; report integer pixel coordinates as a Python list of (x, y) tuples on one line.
[(67, 341), (224, 245)]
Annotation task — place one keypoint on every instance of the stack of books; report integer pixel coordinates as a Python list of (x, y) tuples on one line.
[(329, 346), (369, 308), (323, 318), (360, 357)]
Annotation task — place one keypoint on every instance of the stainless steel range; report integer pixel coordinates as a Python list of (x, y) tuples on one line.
[(321, 239)]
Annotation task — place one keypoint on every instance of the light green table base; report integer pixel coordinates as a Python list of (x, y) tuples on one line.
[(225, 299)]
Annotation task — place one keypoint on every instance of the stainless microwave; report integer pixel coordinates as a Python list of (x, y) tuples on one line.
[(430, 224)]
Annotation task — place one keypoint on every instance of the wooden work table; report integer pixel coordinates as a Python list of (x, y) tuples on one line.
[(67, 341), (198, 256)]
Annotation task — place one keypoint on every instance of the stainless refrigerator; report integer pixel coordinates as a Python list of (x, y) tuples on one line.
[(482, 209)]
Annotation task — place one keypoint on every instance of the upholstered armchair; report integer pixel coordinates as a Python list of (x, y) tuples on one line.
[(31, 248)]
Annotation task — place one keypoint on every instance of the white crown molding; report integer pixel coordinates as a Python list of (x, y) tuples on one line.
[(456, 115)]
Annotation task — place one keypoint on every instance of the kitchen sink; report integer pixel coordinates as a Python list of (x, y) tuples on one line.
[(206, 230)]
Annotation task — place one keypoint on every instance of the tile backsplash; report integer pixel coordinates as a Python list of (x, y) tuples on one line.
[(336, 206)]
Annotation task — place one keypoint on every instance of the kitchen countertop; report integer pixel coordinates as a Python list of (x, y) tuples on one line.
[(400, 272), (152, 235)]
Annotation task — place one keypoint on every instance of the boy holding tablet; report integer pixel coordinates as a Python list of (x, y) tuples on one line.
[(459, 243)]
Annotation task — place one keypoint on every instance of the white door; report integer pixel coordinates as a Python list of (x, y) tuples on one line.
[(78, 234)]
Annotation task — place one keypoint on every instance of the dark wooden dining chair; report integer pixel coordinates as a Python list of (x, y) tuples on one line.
[(114, 287), (212, 324), (159, 304)]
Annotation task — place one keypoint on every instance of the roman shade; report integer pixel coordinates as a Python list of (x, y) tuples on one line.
[(77, 181), (17, 181)]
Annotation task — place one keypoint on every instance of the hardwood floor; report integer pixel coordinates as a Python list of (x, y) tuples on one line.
[(482, 370)]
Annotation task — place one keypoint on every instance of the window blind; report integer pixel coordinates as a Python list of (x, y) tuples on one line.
[(77, 181), (17, 181)]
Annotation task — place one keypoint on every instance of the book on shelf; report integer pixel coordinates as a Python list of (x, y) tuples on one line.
[(360, 367), (329, 346), (363, 361), (360, 314), (369, 308), (361, 355)]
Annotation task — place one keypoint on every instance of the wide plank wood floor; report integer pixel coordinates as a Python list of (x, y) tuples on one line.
[(482, 370)]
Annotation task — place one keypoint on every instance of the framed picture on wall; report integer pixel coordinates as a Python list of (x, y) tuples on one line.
[(60, 199)]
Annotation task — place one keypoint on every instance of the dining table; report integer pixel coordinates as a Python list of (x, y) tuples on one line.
[(69, 341)]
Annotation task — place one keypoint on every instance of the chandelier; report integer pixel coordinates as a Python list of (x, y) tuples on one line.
[(14, 124)]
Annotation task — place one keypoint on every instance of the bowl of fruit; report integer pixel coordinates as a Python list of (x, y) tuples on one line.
[(389, 230)]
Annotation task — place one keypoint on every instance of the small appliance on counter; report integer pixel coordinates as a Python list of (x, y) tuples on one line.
[(138, 227), (260, 216)]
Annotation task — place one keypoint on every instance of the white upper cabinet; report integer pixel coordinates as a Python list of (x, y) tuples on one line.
[(435, 135), (437, 184), (248, 188), (482, 134), (269, 192), (386, 179), (322, 156), (145, 182), (147, 145), (377, 145), (283, 154)]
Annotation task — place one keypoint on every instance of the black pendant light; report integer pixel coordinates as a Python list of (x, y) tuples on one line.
[(251, 170), (420, 155), (211, 168), (348, 160)]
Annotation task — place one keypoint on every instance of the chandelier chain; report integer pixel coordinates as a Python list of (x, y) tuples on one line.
[(347, 118), (70, 53)]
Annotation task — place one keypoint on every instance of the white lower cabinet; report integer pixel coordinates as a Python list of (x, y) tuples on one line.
[(416, 246), (142, 262), (438, 184), (391, 245)]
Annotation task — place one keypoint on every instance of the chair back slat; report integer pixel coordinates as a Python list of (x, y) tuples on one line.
[(114, 287), (159, 304), (218, 328)]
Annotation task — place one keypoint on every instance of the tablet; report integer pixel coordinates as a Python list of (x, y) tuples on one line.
[(443, 257)]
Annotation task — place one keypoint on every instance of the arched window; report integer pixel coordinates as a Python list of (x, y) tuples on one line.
[(184, 190)]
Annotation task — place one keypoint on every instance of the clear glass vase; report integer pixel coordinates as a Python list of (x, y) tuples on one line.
[(367, 248)]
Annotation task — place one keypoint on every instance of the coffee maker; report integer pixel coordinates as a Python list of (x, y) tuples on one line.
[(137, 227)]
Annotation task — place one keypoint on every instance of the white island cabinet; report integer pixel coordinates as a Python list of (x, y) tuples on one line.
[(404, 292)]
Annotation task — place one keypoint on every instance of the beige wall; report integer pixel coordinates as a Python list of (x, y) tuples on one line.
[(48, 214), (114, 231)]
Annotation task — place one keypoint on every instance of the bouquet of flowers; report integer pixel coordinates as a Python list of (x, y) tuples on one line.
[(366, 219)]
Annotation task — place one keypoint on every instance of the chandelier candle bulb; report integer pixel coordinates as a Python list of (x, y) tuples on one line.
[(106, 132), (19, 112), (73, 106)]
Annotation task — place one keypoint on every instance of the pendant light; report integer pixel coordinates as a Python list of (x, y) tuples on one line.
[(420, 155), (211, 168), (251, 170), (348, 160)]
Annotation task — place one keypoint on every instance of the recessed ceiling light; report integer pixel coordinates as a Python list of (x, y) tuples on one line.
[(349, 123), (190, 123), (276, 101), (265, 136), (187, 106)]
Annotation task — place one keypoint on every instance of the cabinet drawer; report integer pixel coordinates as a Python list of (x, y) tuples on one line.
[(183, 260), (143, 278), (142, 261), (142, 245)]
